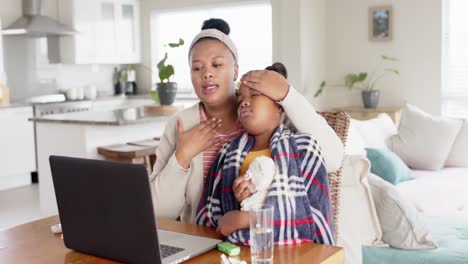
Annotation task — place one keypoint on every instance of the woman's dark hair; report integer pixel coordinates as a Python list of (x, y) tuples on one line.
[(279, 68), (216, 23)]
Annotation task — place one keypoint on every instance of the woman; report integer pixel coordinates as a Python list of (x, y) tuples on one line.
[(192, 139)]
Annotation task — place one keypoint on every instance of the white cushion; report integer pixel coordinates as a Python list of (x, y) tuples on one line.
[(354, 143), (458, 156), (358, 221), (376, 131), (423, 141), (429, 186), (402, 225)]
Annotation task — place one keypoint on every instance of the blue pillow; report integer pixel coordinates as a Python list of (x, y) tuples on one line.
[(388, 166)]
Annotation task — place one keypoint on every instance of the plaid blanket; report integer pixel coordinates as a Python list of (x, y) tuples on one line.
[(299, 191)]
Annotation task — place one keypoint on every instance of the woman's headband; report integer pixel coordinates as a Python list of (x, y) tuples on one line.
[(214, 33)]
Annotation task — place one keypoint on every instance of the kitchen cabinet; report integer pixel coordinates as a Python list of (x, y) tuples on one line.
[(17, 154), (109, 31)]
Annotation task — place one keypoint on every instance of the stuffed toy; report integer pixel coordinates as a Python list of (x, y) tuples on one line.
[(261, 172)]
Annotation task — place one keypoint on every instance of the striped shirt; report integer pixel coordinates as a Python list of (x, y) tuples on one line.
[(209, 155)]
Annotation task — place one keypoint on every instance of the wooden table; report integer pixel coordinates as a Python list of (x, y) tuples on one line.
[(34, 243), (361, 113)]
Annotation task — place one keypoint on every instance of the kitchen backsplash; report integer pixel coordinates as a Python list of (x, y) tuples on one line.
[(30, 73)]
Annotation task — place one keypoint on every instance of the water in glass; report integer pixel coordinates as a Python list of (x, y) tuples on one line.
[(261, 239), (261, 235)]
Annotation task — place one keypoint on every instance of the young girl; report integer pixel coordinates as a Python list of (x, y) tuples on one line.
[(192, 139), (299, 191)]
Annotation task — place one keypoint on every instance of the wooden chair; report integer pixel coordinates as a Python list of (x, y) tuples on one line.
[(339, 121), (152, 143), (136, 154)]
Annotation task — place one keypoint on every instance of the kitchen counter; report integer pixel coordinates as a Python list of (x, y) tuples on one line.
[(117, 117), (80, 134)]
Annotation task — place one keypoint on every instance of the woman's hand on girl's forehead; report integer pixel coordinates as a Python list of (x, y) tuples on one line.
[(246, 91), (268, 83)]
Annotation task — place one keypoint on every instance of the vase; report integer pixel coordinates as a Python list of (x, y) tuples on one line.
[(370, 98), (166, 92)]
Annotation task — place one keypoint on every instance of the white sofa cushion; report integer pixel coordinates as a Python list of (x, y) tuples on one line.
[(376, 131), (402, 225), (429, 186), (458, 156), (423, 141), (354, 143), (359, 224)]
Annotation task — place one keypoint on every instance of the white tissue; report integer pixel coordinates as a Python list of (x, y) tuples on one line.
[(56, 229)]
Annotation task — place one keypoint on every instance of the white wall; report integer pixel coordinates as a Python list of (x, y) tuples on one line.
[(2, 74), (313, 45), (417, 43), (28, 76), (286, 16)]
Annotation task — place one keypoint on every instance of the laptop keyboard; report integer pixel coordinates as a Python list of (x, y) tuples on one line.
[(167, 251)]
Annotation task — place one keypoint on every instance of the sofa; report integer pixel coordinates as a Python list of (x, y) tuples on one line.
[(422, 218)]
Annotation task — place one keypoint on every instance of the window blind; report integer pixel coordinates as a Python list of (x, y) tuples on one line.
[(455, 59)]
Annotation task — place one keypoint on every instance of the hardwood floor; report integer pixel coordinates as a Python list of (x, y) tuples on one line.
[(19, 205)]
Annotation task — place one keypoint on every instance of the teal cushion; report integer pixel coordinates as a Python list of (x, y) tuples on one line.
[(388, 166)]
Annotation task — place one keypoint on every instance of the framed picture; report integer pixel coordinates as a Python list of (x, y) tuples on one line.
[(380, 23)]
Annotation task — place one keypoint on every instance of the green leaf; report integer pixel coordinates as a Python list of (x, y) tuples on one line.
[(166, 72), (163, 72), (161, 63), (320, 90), (154, 96), (350, 80), (175, 45), (385, 57), (361, 77)]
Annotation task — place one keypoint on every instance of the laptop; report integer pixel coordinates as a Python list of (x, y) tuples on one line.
[(106, 210)]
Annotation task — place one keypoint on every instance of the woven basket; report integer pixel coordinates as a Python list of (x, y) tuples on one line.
[(339, 121)]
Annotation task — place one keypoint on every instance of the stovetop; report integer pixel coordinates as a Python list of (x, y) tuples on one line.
[(44, 99), (56, 104)]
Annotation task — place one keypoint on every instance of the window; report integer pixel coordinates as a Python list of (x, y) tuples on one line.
[(251, 31), (455, 59)]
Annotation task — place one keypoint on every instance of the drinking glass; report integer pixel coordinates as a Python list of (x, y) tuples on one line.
[(261, 235)]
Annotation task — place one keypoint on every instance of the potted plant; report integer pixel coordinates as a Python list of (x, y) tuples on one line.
[(365, 82), (165, 89)]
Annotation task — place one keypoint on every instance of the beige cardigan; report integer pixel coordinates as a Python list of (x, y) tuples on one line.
[(177, 193)]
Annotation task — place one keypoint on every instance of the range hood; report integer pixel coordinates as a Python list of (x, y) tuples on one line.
[(33, 23)]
